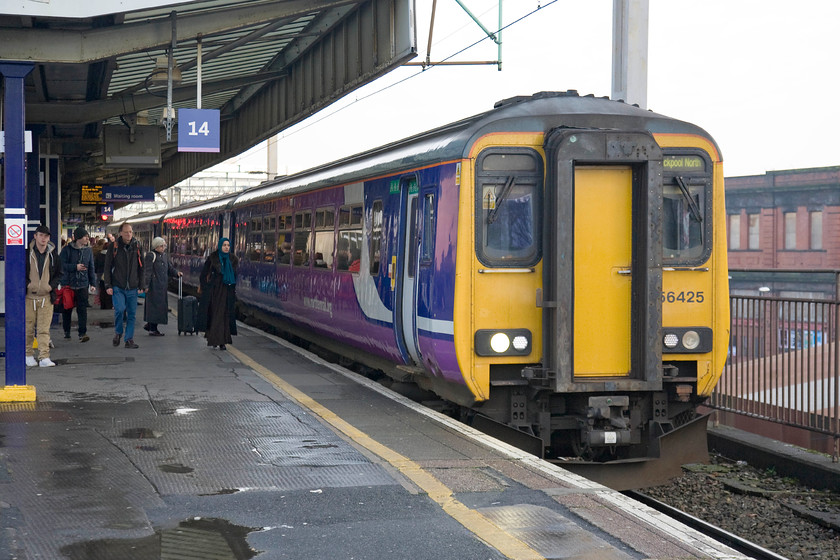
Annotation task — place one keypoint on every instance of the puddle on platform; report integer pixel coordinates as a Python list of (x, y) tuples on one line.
[(222, 492), (140, 433), (206, 538), (176, 468)]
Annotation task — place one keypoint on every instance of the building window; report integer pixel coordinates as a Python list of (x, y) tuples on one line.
[(816, 231), (790, 230), (753, 231), (734, 232)]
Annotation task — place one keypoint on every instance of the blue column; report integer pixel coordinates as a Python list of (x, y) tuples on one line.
[(13, 118)]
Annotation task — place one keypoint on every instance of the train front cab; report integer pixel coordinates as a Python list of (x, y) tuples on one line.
[(622, 338)]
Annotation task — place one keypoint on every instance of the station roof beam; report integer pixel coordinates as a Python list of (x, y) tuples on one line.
[(265, 64)]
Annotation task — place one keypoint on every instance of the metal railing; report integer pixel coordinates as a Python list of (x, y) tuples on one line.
[(783, 364)]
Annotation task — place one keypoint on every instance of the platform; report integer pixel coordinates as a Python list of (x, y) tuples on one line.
[(176, 450)]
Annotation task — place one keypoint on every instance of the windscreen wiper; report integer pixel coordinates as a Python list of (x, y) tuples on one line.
[(692, 205), (491, 216)]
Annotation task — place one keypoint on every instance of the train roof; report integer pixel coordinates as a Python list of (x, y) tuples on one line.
[(540, 112)]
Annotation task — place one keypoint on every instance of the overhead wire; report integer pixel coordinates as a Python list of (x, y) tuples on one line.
[(425, 69)]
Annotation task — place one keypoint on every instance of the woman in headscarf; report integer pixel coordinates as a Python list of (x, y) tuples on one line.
[(158, 270), (217, 311)]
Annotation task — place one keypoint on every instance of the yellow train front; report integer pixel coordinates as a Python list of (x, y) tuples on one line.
[(591, 299)]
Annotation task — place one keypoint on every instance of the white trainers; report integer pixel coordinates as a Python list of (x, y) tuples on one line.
[(31, 361), (46, 362)]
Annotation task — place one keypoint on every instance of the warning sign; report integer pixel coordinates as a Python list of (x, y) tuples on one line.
[(15, 231)]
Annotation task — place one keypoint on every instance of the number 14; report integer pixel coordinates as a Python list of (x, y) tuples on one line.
[(203, 129)]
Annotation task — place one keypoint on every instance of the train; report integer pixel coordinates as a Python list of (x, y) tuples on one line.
[(555, 267)]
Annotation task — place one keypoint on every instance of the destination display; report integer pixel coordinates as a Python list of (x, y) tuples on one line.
[(683, 163), (91, 194)]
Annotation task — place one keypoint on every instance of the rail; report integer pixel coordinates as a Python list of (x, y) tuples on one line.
[(784, 364)]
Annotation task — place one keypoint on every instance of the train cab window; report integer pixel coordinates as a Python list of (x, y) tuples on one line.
[(686, 211), (508, 206), (303, 238), (427, 242), (324, 237), (284, 239), (376, 237)]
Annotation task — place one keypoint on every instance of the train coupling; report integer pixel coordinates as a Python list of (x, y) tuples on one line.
[(607, 422)]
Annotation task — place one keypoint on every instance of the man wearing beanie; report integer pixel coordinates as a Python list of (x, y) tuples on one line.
[(78, 273), (43, 272)]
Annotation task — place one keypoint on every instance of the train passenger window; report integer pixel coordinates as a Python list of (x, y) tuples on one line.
[(303, 238), (202, 240), (324, 237), (349, 251), (686, 212), (427, 243), (284, 239), (254, 243), (269, 239), (509, 185), (376, 237)]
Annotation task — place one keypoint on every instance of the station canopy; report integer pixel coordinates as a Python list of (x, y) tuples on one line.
[(99, 93)]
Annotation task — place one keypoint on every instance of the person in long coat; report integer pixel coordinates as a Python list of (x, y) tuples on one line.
[(217, 306), (157, 270)]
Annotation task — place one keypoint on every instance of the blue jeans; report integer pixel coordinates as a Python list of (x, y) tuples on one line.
[(125, 301)]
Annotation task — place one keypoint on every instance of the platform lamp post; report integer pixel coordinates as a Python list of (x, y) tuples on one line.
[(16, 389)]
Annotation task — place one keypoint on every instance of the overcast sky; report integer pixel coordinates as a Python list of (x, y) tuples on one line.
[(760, 76)]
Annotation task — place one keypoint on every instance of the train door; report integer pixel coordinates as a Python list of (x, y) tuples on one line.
[(603, 316), (602, 257), (406, 286)]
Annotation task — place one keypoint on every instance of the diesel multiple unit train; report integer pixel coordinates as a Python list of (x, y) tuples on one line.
[(556, 265)]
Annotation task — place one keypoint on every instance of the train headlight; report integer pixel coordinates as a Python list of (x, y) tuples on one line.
[(691, 340), (503, 342), (500, 342), (687, 340)]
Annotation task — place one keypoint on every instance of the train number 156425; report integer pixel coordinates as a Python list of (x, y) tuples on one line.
[(682, 297)]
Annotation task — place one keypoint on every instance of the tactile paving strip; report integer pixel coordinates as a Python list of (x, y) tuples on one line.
[(551, 534), (227, 446)]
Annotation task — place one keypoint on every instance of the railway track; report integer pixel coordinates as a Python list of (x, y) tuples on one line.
[(740, 544)]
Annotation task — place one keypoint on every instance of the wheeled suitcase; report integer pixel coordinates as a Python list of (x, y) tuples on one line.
[(187, 311)]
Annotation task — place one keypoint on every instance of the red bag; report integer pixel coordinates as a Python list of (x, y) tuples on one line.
[(65, 297)]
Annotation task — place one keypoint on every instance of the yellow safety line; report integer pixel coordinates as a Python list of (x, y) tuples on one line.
[(474, 521)]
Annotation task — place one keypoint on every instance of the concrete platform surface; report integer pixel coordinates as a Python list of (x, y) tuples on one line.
[(176, 450)]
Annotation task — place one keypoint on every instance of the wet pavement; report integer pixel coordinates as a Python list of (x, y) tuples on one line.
[(176, 450)]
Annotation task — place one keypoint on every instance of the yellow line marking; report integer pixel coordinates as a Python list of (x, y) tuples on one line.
[(472, 520)]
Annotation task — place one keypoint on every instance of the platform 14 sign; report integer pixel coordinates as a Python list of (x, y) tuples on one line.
[(198, 130)]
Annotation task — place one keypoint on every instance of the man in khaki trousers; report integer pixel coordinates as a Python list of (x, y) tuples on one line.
[(43, 272)]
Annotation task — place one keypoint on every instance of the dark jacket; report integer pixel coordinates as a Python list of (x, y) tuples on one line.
[(210, 280), (51, 271), (157, 270), (124, 266), (72, 256)]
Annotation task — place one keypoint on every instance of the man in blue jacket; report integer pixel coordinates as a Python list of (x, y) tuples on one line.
[(78, 273)]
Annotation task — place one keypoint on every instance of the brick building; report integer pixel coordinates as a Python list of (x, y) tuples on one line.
[(787, 222)]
